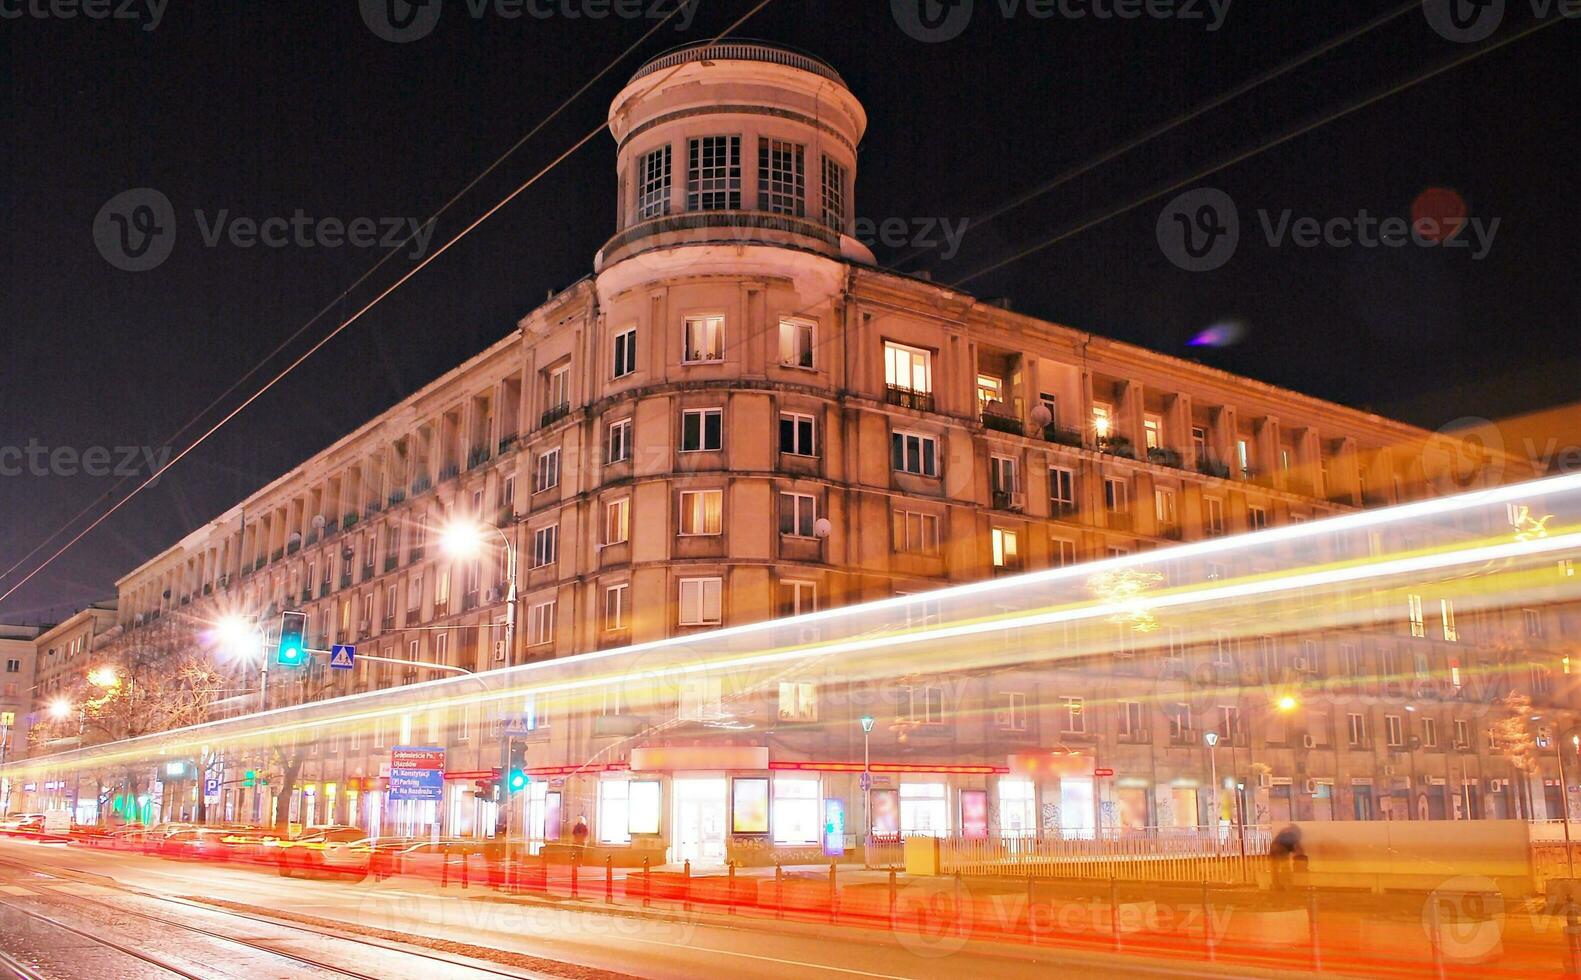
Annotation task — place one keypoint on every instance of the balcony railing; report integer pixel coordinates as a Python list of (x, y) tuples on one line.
[(396, 496), (1003, 423), (449, 472), (555, 414), (1164, 457), (390, 562), (507, 443), (1063, 437), (1116, 446), (477, 457), (1208, 466), (921, 401), (1170, 531), (421, 485)]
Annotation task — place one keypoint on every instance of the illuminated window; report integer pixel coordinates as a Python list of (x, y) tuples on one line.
[(798, 701), (1243, 456), (833, 195), (796, 343), (796, 817), (1102, 420), (1153, 432), (702, 430), (617, 602), (1073, 716), (1017, 808), (617, 520), (702, 512), (614, 808), (705, 340), (1199, 441), (1164, 508), (1447, 610), (1007, 548), (989, 389), (1414, 610), (653, 189), (713, 179), (908, 368), (700, 600)]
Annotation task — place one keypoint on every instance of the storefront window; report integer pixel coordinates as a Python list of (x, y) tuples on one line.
[(613, 812), (644, 807), (1018, 809), (923, 811), (796, 811)]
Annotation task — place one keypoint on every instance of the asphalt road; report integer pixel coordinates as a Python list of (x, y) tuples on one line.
[(157, 907)]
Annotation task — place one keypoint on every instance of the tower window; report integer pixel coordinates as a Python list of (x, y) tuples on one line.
[(653, 190), (713, 179), (782, 179), (833, 194)]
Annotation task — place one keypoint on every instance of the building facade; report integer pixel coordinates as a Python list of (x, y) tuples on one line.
[(737, 417)]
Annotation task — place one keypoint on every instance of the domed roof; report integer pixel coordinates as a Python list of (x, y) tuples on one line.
[(740, 50)]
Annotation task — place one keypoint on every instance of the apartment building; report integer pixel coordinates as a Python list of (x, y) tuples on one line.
[(738, 416)]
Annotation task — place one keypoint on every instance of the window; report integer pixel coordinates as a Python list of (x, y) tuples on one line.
[(798, 701), (547, 474), (1164, 508), (833, 194), (558, 393), (916, 533), (989, 390), (1213, 516), (701, 698), (915, 453), (545, 545), (1180, 730), (442, 590), (1010, 712), (924, 704), (705, 339), (618, 444), (713, 177), (614, 811), (1414, 610), (1447, 610), (798, 513), (797, 820), (1153, 432), (1357, 728), (442, 647), (414, 596), (653, 187), (782, 178), (617, 520), (1062, 553), (1007, 548), (1256, 518), (796, 338), (1230, 723), (908, 368), (1462, 734), (700, 601), (1132, 721), (1393, 730), (617, 602), (1350, 660), (702, 430), (540, 623), (1533, 623), (702, 511), (796, 434), (923, 810), (13, 666), (1062, 491), (1430, 733), (1002, 474), (1199, 441), (797, 598), (1116, 495), (1243, 456), (1072, 716), (625, 352), (1102, 420)]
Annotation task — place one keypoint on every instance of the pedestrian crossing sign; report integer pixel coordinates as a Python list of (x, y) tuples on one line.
[(343, 656)]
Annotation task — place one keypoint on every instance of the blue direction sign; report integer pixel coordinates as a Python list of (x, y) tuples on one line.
[(343, 656), (417, 773)]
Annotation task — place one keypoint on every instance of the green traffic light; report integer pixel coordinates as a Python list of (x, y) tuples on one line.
[(518, 781)]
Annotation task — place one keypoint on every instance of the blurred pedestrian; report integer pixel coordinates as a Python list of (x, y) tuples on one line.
[(579, 832), (1282, 854)]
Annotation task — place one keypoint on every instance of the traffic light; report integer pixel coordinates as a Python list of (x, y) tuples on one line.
[(516, 778), (487, 790), (250, 778), (293, 643)]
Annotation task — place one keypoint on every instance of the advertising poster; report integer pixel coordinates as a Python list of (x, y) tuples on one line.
[(886, 813), (643, 817), (974, 814), (833, 828), (749, 813)]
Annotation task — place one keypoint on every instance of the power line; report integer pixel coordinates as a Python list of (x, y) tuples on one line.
[(420, 266), (1245, 155), (332, 304)]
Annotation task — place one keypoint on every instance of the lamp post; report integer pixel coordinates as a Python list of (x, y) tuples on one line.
[(867, 790), (7, 719), (1564, 798), (1211, 739)]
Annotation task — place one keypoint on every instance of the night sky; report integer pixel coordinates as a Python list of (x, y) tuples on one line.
[(260, 109)]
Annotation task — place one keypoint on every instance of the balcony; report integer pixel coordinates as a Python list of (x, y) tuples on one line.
[(312, 537), (390, 562), (469, 601), (506, 516), (307, 595), (441, 607), (387, 624), (1116, 446), (1118, 520), (396, 496), (421, 485), (508, 442), (921, 401), (477, 457), (1170, 531), (1208, 466), (1164, 457), (1063, 509), (1003, 423), (345, 580), (323, 590), (1063, 437), (449, 472), (349, 521), (415, 556), (372, 507), (277, 554), (555, 414)]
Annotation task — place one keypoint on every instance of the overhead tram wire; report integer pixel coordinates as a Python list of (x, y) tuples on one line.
[(332, 304), (1263, 147), (1165, 128), (322, 342)]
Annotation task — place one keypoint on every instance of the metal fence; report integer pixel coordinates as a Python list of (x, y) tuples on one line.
[(1154, 854)]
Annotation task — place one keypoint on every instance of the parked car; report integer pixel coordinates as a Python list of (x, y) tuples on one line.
[(205, 843), (322, 849)]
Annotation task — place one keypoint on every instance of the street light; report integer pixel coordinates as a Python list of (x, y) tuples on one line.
[(1211, 739), (867, 792)]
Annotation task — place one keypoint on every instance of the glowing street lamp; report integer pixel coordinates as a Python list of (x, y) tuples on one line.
[(867, 792), (1287, 704), (105, 677), (60, 709)]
